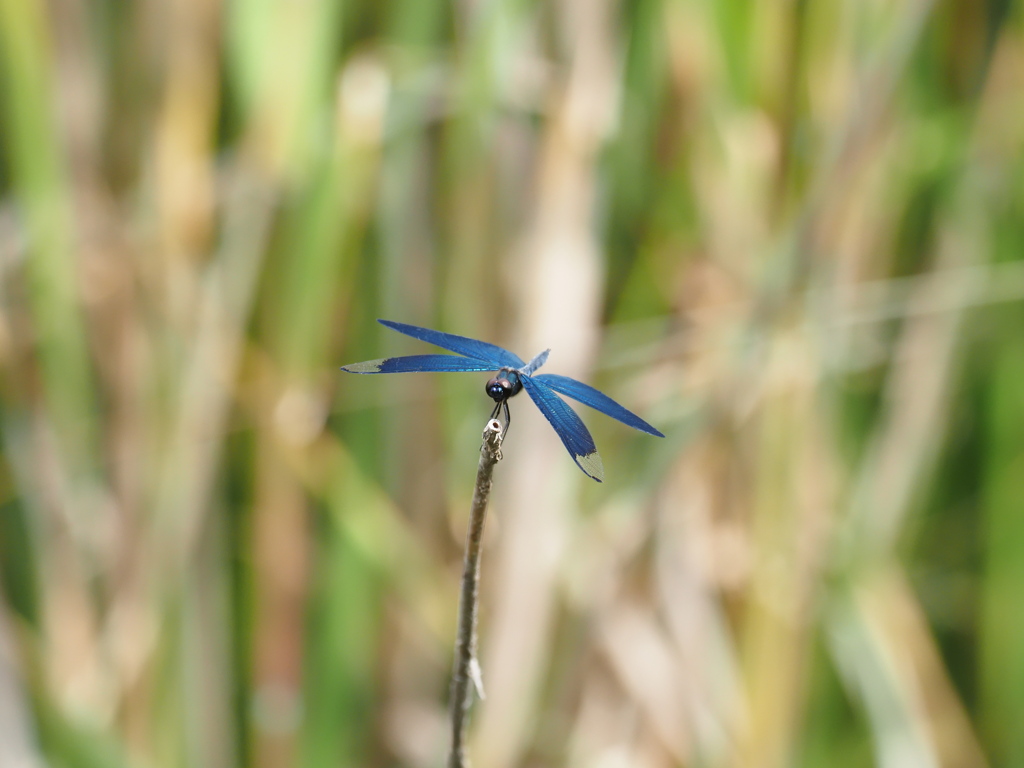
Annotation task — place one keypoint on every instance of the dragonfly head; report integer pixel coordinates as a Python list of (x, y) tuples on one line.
[(504, 385)]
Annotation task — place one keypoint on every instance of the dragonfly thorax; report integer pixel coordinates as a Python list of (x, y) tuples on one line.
[(504, 385)]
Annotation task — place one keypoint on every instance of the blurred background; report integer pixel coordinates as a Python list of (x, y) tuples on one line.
[(788, 233)]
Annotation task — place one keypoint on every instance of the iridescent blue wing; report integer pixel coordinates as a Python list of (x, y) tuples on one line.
[(419, 363), (587, 395), (478, 350), (568, 425), (536, 363)]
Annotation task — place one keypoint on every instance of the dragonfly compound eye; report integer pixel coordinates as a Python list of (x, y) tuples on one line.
[(498, 389)]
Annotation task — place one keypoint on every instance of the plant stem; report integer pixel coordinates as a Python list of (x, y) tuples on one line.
[(466, 668)]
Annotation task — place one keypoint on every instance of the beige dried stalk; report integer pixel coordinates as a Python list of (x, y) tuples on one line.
[(466, 668)]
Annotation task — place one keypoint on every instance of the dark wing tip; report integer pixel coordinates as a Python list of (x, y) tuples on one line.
[(636, 423)]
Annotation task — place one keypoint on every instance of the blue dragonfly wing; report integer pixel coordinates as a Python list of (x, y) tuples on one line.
[(479, 350), (411, 363), (587, 395), (568, 425), (536, 363)]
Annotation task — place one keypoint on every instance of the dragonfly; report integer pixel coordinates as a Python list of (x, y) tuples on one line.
[(512, 377)]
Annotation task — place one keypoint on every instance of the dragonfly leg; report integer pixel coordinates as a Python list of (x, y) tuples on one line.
[(508, 419), (498, 406)]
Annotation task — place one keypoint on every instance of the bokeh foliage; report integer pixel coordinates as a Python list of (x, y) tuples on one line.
[(788, 233)]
